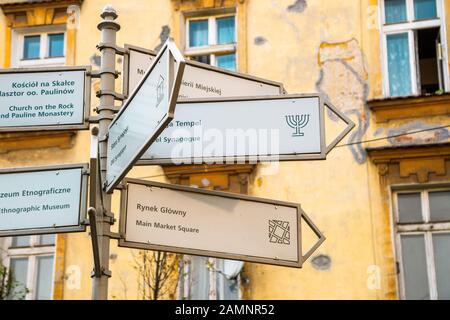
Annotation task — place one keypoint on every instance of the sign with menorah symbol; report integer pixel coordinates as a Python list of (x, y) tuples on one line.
[(297, 122)]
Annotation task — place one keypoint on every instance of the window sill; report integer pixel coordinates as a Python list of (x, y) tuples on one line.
[(30, 59), (410, 107), (222, 48)]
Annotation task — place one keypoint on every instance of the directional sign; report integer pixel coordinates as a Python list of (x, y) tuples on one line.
[(43, 200), (165, 217), (200, 80), (252, 129), (145, 114), (44, 99)]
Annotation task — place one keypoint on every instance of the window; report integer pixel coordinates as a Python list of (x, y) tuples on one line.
[(423, 243), (212, 40), (38, 46), (205, 278), (56, 45), (31, 260), (414, 47)]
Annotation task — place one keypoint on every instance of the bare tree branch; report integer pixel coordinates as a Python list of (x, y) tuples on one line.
[(156, 270)]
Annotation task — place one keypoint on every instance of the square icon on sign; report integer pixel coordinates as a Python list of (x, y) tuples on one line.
[(279, 232)]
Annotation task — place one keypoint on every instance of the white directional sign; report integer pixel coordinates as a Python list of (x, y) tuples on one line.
[(43, 200), (179, 219), (255, 129), (200, 80), (145, 114), (44, 99)]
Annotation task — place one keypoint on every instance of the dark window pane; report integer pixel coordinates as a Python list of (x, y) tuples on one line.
[(44, 278), (428, 59), (56, 45), (198, 33), (22, 241), (425, 9), (225, 30), (31, 47), (440, 205), (395, 11), (227, 62), (441, 245), (415, 267), (203, 59), (409, 207)]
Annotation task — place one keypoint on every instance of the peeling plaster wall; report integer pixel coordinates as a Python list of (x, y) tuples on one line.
[(332, 47), (343, 81), (319, 48)]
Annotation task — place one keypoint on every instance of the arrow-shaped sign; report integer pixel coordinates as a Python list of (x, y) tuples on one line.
[(146, 113), (200, 80), (249, 129), (167, 217)]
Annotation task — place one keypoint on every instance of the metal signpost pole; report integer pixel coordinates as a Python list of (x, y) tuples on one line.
[(106, 110)]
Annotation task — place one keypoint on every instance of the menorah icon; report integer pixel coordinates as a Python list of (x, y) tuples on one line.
[(297, 122)]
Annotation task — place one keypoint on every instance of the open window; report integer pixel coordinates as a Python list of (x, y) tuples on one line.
[(429, 58), (413, 42)]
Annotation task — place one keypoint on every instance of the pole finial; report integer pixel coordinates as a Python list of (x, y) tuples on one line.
[(108, 15), (109, 11)]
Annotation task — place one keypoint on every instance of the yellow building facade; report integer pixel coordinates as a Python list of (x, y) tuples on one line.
[(382, 197)]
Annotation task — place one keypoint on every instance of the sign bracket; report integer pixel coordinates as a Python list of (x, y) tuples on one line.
[(98, 73), (97, 119), (119, 50), (103, 108), (94, 239), (117, 96), (114, 235)]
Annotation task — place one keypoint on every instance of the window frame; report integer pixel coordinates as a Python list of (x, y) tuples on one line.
[(427, 228), (214, 280), (18, 42), (32, 253), (212, 49), (409, 27)]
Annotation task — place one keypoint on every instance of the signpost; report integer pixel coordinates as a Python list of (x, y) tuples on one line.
[(166, 217), (43, 200), (214, 125), (145, 114), (44, 99), (287, 127), (200, 80)]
